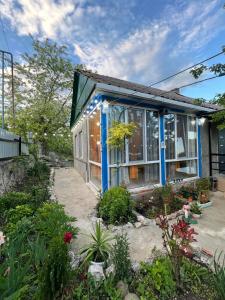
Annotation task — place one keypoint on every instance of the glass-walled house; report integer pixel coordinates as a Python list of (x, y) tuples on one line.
[(167, 145)]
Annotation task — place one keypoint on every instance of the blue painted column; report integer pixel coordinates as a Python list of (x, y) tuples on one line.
[(162, 151), (104, 151), (199, 150)]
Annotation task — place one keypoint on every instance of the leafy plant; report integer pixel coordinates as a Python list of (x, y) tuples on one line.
[(203, 184), (119, 132), (219, 275), (177, 239), (90, 289), (51, 220), (121, 258), (156, 280), (98, 250), (54, 274), (195, 209), (16, 214), (115, 207)]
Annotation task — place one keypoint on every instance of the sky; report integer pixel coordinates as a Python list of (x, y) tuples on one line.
[(142, 41)]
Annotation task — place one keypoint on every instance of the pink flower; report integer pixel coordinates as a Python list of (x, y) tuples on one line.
[(2, 238), (68, 237)]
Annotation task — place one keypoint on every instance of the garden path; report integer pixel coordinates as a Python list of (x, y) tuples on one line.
[(71, 190)]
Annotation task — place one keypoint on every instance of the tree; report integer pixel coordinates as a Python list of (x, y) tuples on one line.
[(43, 94)]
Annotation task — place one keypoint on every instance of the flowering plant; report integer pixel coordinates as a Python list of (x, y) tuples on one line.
[(177, 239), (2, 238), (68, 237)]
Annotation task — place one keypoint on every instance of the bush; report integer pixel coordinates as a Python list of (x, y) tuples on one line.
[(11, 200), (121, 258), (51, 220), (116, 206), (203, 184), (156, 280)]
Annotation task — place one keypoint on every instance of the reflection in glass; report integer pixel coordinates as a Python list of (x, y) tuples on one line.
[(95, 175), (136, 141), (152, 134), (192, 137), (182, 137), (170, 136), (94, 138), (181, 169)]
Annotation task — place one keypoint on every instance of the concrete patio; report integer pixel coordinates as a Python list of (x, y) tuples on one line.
[(80, 201)]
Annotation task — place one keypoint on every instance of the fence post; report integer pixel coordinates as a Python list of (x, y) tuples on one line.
[(20, 146)]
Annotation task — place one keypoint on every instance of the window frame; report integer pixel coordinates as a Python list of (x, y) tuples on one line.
[(80, 144), (177, 159)]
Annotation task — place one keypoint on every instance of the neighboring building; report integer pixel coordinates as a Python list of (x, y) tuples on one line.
[(170, 144)]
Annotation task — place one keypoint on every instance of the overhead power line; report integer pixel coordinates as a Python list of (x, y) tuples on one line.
[(188, 68)]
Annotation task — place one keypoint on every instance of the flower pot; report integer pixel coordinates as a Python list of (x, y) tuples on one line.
[(196, 216)]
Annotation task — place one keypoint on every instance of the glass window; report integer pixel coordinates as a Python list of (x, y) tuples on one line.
[(136, 175), (192, 137), (170, 136), (136, 141), (152, 135), (116, 113), (80, 144), (182, 136), (94, 138), (181, 169), (95, 175)]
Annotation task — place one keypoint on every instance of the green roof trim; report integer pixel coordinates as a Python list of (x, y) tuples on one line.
[(82, 89)]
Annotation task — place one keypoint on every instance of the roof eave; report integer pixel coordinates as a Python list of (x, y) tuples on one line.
[(127, 92)]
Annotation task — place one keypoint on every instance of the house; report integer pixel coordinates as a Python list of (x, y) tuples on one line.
[(171, 142)]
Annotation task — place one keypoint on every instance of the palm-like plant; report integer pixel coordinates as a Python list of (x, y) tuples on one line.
[(219, 275), (98, 250)]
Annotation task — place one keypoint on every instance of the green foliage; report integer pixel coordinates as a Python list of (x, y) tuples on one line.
[(176, 204), (40, 171), (115, 206), (199, 101), (119, 132), (54, 274), (198, 279), (43, 105), (98, 250), (16, 214), (195, 209), (203, 184), (219, 276), (51, 220), (121, 258), (156, 280), (92, 290)]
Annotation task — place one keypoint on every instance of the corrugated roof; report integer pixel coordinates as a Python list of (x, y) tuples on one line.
[(144, 89)]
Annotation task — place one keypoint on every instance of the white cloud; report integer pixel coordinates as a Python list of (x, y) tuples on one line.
[(107, 37)]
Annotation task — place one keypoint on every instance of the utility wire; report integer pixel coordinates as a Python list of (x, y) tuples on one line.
[(188, 68)]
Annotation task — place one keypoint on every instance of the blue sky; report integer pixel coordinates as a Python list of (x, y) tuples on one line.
[(142, 41)]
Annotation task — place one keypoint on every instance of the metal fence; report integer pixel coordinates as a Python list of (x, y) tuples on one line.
[(11, 145)]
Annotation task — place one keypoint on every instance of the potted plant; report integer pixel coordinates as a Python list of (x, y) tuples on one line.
[(166, 193), (195, 210), (203, 186), (97, 252)]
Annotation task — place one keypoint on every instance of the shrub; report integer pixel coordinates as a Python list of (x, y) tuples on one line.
[(11, 200), (156, 280), (14, 215), (203, 184), (121, 258), (39, 170), (51, 220), (116, 206)]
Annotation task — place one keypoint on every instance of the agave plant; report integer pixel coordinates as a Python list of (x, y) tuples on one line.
[(98, 250), (219, 275)]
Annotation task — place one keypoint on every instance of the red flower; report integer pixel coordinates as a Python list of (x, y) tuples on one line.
[(68, 237)]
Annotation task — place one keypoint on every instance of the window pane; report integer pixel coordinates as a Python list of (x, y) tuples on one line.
[(192, 137), (181, 169), (136, 141), (152, 133), (135, 176), (182, 136), (170, 136), (95, 175), (116, 113), (94, 138)]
